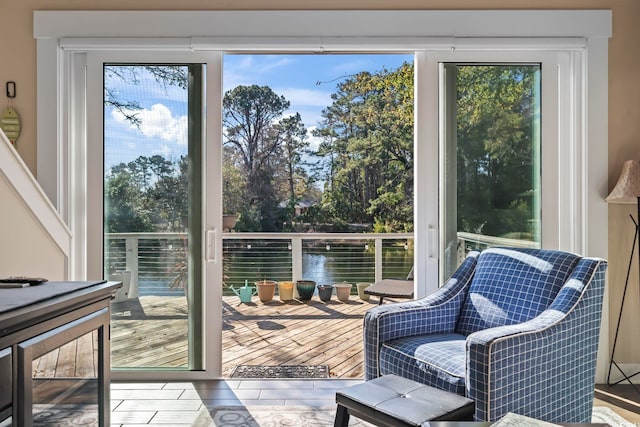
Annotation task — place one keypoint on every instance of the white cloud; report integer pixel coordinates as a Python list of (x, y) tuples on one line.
[(165, 151), (314, 141), (158, 122), (296, 96)]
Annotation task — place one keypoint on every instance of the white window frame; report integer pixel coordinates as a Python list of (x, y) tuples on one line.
[(62, 125)]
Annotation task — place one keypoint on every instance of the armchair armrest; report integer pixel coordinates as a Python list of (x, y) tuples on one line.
[(435, 313), (531, 365)]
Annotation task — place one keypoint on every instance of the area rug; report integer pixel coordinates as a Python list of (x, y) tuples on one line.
[(251, 416), (63, 415), (602, 414), (279, 416), (285, 371), (271, 416)]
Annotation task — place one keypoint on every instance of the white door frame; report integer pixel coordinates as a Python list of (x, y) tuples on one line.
[(211, 192)]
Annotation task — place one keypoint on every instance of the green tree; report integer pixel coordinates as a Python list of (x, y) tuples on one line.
[(368, 149), (496, 112), (294, 144), (148, 194), (146, 170), (234, 183), (250, 115), (124, 207), (169, 195)]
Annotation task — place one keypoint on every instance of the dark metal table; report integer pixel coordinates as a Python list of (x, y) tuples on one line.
[(37, 319)]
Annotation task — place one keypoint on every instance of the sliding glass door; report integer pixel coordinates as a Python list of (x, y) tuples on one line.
[(152, 211), (150, 162), (483, 143), (490, 185)]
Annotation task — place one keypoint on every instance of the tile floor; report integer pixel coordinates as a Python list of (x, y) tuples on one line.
[(179, 404)]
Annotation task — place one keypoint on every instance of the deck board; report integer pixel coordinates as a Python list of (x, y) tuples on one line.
[(86, 363), (275, 333)]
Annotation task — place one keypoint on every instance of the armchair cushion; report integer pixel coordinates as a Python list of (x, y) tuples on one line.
[(512, 286), (436, 313), (437, 360)]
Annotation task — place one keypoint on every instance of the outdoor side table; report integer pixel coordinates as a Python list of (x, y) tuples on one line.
[(393, 401)]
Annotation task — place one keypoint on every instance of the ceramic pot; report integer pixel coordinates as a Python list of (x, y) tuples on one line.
[(229, 221), (305, 289), (324, 292), (266, 290), (285, 291), (361, 287), (343, 290)]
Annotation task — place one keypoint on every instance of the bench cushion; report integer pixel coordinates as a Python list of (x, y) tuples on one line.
[(397, 401)]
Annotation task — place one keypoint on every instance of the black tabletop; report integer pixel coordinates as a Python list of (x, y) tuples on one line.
[(14, 298)]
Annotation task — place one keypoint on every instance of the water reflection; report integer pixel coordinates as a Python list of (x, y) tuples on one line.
[(342, 262)]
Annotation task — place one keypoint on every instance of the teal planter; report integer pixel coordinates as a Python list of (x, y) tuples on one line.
[(305, 289)]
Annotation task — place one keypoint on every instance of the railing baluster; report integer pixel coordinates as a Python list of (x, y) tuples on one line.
[(131, 249), (296, 258), (378, 258)]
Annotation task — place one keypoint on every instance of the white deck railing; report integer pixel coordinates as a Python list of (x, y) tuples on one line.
[(159, 257)]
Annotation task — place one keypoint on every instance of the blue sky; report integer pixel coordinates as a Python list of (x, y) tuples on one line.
[(164, 109)]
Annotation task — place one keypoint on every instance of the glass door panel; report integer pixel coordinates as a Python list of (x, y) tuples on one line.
[(65, 383), (152, 167), (491, 158)]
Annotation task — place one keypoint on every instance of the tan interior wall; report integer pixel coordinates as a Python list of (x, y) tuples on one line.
[(25, 240), (18, 53)]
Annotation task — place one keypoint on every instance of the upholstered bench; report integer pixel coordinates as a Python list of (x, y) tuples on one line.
[(394, 401)]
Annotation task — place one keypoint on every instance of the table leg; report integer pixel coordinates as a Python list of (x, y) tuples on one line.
[(342, 417)]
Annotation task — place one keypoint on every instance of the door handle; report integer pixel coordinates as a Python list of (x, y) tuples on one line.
[(432, 242), (211, 245)]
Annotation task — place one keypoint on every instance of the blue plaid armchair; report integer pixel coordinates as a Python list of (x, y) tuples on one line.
[(516, 330)]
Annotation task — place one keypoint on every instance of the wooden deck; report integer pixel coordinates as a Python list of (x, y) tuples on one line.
[(152, 332), (295, 333)]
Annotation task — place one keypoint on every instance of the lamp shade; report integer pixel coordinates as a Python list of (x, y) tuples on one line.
[(627, 189)]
